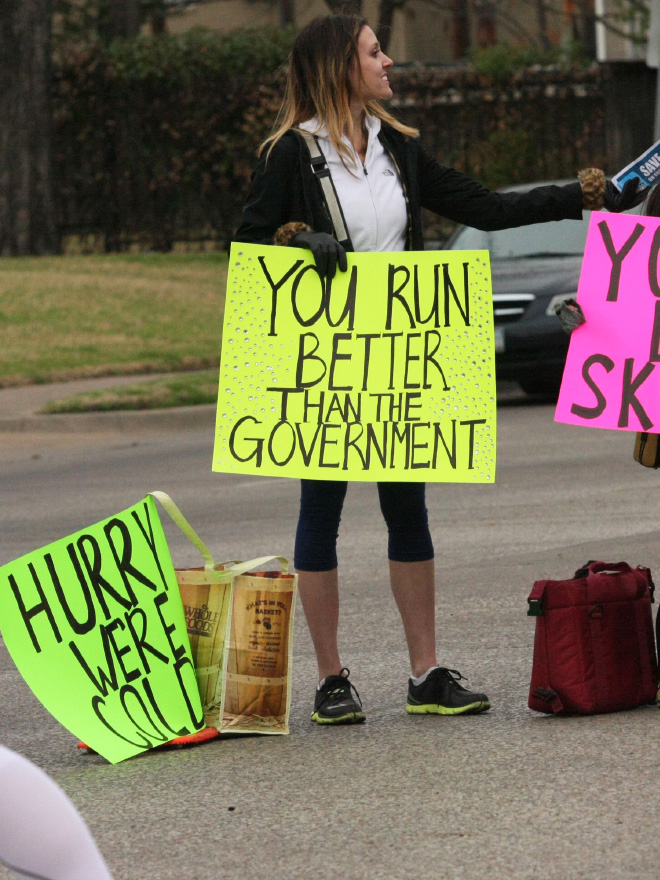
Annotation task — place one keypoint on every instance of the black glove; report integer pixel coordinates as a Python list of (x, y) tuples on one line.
[(328, 253), (570, 314), (616, 201)]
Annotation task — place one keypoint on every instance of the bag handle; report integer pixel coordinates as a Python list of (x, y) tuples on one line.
[(593, 567), (244, 567), (186, 528), (641, 574), (224, 575)]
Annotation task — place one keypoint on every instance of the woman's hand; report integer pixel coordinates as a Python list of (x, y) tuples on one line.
[(627, 198), (570, 314), (327, 252)]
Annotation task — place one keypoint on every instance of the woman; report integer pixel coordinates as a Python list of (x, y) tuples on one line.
[(42, 835), (337, 79), (569, 311), (652, 206)]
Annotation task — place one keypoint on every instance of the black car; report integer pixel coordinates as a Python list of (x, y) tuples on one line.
[(533, 268)]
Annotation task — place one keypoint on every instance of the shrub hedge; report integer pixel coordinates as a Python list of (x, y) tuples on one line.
[(155, 138)]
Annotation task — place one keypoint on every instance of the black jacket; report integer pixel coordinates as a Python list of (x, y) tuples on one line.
[(284, 189)]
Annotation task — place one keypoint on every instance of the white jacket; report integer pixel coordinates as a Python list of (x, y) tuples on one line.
[(370, 194)]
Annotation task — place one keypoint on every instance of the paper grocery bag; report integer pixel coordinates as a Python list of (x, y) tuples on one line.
[(207, 606), (240, 628), (258, 688)]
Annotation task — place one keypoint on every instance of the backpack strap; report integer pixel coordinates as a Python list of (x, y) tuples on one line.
[(322, 174), (535, 600)]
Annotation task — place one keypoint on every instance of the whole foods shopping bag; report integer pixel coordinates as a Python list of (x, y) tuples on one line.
[(240, 627), (207, 607)]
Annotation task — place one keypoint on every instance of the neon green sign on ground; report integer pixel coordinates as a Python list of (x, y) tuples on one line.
[(95, 625), (384, 373)]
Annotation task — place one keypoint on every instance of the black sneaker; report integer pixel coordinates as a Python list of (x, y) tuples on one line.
[(441, 694), (334, 703)]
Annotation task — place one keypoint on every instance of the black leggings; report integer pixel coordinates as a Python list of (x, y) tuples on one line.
[(402, 504)]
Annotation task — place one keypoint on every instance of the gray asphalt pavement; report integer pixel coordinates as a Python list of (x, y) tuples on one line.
[(508, 794)]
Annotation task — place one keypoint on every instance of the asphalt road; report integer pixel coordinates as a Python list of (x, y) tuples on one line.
[(508, 794)]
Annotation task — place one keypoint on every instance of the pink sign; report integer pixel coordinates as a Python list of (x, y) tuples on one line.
[(612, 373)]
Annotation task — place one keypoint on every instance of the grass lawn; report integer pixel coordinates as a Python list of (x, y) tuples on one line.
[(188, 389), (72, 317)]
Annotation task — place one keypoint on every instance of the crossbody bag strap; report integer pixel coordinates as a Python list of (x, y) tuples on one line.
[(322, 174)]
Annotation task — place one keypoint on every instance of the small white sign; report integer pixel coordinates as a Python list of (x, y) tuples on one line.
[(645, 169)]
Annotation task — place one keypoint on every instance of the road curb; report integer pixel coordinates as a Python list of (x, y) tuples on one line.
[(176, 418)]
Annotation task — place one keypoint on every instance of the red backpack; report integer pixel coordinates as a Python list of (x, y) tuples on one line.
[(594, 647)]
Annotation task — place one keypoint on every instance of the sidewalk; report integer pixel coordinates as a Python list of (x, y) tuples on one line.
[(19, 409)]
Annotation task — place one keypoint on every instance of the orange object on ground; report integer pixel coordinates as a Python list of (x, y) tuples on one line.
[(191, 739)]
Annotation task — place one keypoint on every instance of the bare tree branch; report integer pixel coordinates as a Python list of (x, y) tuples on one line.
[(606, 20)]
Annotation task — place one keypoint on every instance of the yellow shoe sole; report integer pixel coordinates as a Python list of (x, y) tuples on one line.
[(351, 718), (432, 709)]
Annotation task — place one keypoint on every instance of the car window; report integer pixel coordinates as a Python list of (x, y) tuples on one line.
[(556, 238), (469, 239)]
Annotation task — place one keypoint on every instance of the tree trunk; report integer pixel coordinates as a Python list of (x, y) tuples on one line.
[(587, 26), (542, 21), (27, 215), (348, 7), (386, 10), (287, 12), (158, 18), (460, 29), (486, 23), (124, 18)]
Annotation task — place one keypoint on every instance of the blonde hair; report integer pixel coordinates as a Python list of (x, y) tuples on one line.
[(318, 83)]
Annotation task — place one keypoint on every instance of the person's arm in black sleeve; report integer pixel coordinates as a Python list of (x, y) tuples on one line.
[(267, 212), (451, 194), (268, 203)]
